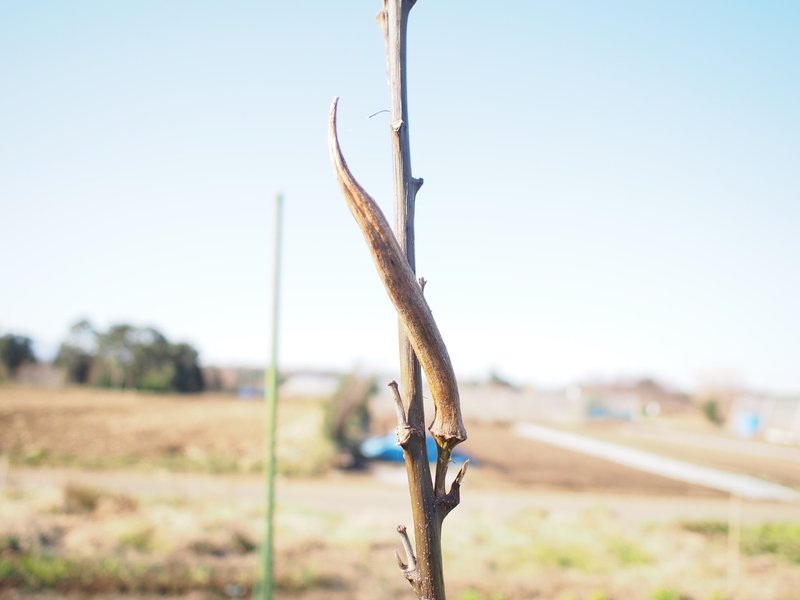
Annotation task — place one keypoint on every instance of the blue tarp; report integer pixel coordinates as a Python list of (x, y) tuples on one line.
[(384, 447)]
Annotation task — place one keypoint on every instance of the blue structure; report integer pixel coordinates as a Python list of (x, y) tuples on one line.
[(384, 447)]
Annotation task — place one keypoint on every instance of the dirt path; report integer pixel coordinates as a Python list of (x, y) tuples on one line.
[(387, 495), (733, 483)]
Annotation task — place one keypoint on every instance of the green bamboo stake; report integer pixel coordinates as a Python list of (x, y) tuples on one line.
[(271, 401)]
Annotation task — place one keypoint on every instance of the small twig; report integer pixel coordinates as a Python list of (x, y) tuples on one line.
[(379, 112), (403, 429), (412, 560), (448, 502), (442, 462), (422, 283), (409, 568), (461, 474), (398, 405)]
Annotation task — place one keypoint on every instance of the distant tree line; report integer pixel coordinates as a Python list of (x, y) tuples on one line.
[(129, 357)]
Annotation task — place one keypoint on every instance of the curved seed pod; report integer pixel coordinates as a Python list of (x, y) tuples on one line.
[(406, 295)]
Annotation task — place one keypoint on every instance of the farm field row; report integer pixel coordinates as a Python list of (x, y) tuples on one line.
[(117, 495), (111, 430)]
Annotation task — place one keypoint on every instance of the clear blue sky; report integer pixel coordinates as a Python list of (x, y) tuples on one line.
[(610, 188)]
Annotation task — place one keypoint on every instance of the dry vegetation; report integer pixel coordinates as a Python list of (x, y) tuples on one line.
[(90, 428), (145, 531)]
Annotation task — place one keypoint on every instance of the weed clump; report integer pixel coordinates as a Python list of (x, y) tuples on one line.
[(80, 498), (780, 539)]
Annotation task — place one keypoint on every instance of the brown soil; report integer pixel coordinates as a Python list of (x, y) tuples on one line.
[(84, 427), (88, 425), (512, 460)]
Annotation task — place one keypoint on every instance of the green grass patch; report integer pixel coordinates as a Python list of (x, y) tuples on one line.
[(706, 527), (627, 553), (667, 594), (780, 539), (8, 570), (567, 556), (46, 572), (139, 539), (476, 595)]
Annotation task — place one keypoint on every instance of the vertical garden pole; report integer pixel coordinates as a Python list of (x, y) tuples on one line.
[(271, 403)]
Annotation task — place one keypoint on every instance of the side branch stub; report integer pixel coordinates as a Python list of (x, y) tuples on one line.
[(407, 297)]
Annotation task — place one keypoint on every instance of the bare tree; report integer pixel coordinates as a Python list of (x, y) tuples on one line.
[(419, 338)]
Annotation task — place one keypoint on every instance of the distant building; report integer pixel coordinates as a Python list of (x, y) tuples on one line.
[(773, 418), (40, 374), (248, 382), (311, 384), (612, 406), (495, 402)]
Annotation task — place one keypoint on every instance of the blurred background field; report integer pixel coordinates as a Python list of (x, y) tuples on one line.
[(123, 494)]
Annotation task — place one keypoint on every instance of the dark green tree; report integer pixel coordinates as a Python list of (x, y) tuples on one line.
[(113, 364), (76, 354), (129, 357), (187, 376), (15, 351)]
